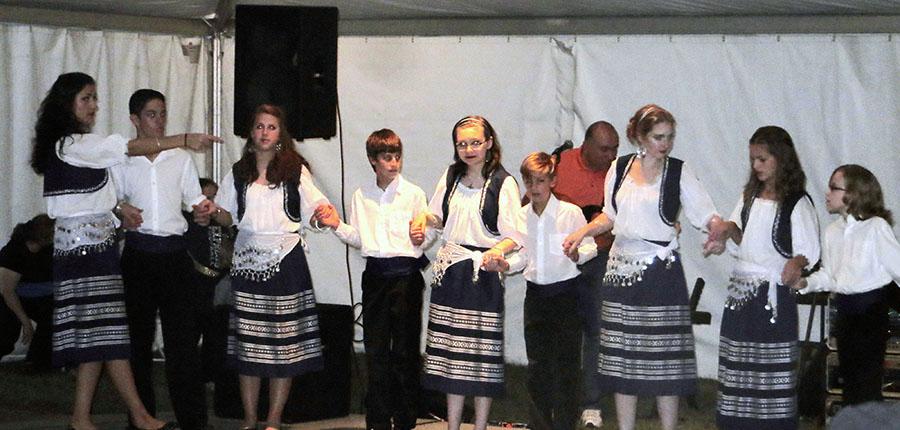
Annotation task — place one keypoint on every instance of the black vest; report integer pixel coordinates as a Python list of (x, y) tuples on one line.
[(490, 204), (61, 178), (669, 188), (289, 190), (781, 228)]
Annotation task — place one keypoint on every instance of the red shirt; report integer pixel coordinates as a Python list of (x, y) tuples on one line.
[(581, 186)]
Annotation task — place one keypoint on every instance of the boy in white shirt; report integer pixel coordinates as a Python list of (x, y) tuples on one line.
[(552, 318), (392, 282)]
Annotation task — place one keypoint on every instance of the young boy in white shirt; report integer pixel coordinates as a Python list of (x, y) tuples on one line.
[(392, 282), (552, 318)]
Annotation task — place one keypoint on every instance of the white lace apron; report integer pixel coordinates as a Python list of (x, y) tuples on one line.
[(450, 254), (257, 256), (744, 283), (628, 260), (84, 234)]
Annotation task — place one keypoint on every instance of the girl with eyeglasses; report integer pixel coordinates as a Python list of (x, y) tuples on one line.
[(860, 258), (475, 203)]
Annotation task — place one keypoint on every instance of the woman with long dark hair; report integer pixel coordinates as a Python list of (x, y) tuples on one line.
[(274, 330), (775, 230), (90, 331)]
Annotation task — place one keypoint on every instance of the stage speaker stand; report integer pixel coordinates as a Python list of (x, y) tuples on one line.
[(314, 396), (287, 56)]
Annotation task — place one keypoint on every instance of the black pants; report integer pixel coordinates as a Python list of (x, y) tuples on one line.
[(553, 345), (39, 310), (392, 318), (589, 309), (861, 340), (162, 281)]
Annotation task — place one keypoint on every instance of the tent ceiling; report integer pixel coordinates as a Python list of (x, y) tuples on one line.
[(495, 9)]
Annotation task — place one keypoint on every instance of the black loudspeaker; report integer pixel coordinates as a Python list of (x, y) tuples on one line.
[(287, 56), (314, 396)]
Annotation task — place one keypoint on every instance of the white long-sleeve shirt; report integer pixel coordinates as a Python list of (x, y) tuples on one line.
[(463, 225), (859, 256), (161, 188), (542, 236), (379, 219), (97, 152)]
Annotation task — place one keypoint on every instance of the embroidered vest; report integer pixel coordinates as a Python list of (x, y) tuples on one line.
[(781, 228), (490, 199), (289, 190), (669, 188), (61, 178)]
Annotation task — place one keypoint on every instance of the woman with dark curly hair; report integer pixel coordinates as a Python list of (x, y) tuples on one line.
[(274, 329), (90, 331), (775, 234)]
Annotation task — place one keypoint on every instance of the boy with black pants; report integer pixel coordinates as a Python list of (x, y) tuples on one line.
[(552, 319), (392, 282)]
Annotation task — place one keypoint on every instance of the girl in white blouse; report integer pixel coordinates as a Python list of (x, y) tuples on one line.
[(775, 237), (274, 329), (646, 339), (89, 323), (861, 257)]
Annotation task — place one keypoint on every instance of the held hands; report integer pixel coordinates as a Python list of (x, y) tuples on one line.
[(131, 216), (713, 247), (203, 212), (492, 261), (326, 215), (200, 141), (417, 228), (800, 284), (571, 242), (792, 271)]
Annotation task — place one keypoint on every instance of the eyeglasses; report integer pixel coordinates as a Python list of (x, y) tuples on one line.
[(475, 144), (835, 188)]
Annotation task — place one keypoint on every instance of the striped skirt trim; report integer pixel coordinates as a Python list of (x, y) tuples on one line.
[(89, 319), (758, 365), (646, 339), (464, 342)]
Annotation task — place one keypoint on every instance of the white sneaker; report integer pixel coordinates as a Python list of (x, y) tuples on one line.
[(591, 418)]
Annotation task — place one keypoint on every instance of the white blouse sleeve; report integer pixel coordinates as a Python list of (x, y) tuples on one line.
[(698, 206), (887, 249), (310, 196), (608, 208), (509, 204), (191, 193), (93, 150), (227, 196), (805, 232), (437, 199)]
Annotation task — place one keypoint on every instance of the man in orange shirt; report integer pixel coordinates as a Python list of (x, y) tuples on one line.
[(580, 180)]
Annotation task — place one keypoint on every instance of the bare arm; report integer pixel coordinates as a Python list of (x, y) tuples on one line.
[(8, 282), (152, 145)]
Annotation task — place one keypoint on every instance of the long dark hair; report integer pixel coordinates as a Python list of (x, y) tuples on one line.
[(789, 176), (491, 158), (56, 119), (863, 197), (286, 164)]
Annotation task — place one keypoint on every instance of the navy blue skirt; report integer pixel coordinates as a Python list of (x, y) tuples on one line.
[(464, 345), (646, 339), (758, 364), (274, 325), (89, 320)]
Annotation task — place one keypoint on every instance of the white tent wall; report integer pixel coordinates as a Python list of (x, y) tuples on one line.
[(837, 95), (31, 58)]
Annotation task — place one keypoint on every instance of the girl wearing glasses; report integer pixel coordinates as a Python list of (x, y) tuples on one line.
[(861, 256), (475, 203), (775, 234)]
